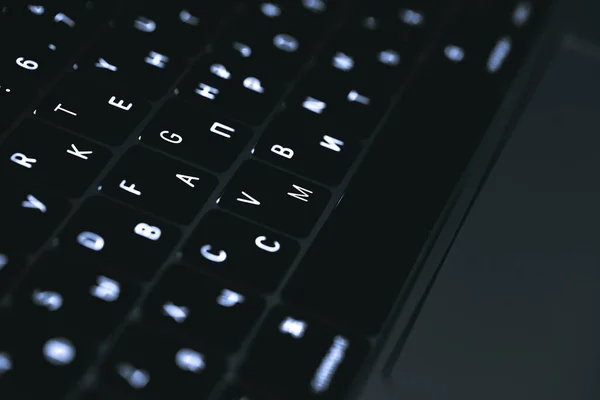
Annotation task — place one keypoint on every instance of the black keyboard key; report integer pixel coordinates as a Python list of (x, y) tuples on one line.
[(13, 101), (11, 265), (44, 37), (146, 365), (525, 15), (280, 34), (245, 91), (189, 132), (487, 43), (66, 23), (31, 63), (119, 235), (202, 309), (95, 109), (409, 20), (275, 198), (353, 60), (293, 16), (279, 50), (28, 217), (299, 358), (323, 153), (354, 106), (42, 361), (159, 184), (239, 251), (181, 26), (470, 59), (90, 301), (38, 154), (148, 71)]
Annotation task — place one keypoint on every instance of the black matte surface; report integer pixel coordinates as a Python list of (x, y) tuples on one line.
[(513, 313)]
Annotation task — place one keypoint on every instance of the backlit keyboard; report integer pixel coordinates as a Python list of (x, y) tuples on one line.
[(183, 183)]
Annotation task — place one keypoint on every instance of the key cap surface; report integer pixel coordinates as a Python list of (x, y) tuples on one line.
[(28, 217), (275, 198), (160, 184), (145, 365), (279, 34), (89, 300), (66, 23), (298, 358), (202, 308), (148, 70), (181, 26), (358, 58), (38, 154), (246, 91), (240, 251), (208, 139), (94, 108), (353, 106), (32, 63), (315, 149), (43, 361), (120, 236)]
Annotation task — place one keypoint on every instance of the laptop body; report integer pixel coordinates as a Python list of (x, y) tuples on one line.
[(503, 308), (372, 329)]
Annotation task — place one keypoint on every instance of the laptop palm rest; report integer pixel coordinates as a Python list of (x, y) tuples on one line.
[(514, 312)]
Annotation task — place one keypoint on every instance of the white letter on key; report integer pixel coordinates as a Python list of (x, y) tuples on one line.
[(282, 151), (119, 104), (130, 189), (207, 91), (32, 202), (23, 160), (58, 107), (77, 153), (187, 179), (91, 240), (102, 63), (332, 143), (60, 17), (260, 243), (173, 138), (217, 125)]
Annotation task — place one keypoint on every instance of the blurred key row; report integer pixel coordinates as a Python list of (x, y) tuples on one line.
[(187, 327), (244, 72)]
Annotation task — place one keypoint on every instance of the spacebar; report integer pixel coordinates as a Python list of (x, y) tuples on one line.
[(362, 256)]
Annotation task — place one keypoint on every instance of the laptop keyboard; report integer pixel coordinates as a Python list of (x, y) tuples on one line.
[(183, 184)]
